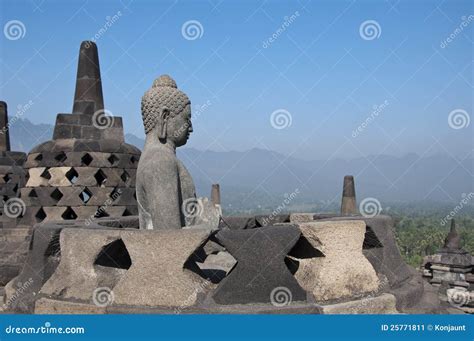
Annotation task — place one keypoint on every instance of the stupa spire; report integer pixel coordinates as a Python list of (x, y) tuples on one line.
[(88, 97), (4, 131), (348, 204), (453, 240)]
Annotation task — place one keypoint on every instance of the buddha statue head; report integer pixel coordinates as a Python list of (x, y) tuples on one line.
[(166, 112)]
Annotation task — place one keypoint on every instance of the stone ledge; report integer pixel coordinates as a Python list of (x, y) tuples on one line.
[(383, 304)]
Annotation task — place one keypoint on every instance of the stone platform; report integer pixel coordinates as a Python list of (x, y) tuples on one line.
[(331, 265)]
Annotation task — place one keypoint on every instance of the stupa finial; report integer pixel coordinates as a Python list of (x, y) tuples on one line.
[(88, 97)]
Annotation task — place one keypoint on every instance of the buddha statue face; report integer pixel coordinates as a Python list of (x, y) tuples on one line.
[(179, 127), (166, 112)]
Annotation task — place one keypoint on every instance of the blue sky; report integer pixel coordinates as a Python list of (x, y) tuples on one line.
[(319, 71)]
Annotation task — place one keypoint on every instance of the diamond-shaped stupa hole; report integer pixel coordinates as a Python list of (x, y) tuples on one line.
[(69, 214), (86, 159), (85, 195), (40, 215), (115, 193), (100, 213), (33, 194), (113, 159), (133, 159), (114, 255), (56, 195), (126, 213), (39, 157), (46, 174), (61, 157), (125, 176), (72, 175), (100, 177), (6, 178)]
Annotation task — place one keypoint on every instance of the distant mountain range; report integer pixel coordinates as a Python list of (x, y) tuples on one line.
[(262, 178)]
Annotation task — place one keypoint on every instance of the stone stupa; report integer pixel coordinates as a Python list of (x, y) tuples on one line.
[(86, 171), (13, 240)]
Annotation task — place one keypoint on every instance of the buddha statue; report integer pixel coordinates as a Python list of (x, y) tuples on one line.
[(166, 194)]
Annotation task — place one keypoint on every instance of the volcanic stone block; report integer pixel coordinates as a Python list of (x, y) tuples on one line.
[(267, 220), (343, 271), (86, 176), (49, 306), (58, 176), (156, 277), (35, 179), (238, 223), (296, 218), (260, 274), (38, 267), (5, 134), (383, 304)]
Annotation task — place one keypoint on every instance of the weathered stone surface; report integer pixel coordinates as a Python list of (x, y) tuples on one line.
[(51, 306), (296, 218), (39, 265), (343, 271), (154, 275), (5, 134), (237, 223), (348, 202), (383, 304), (260, 274), (268, 220)]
